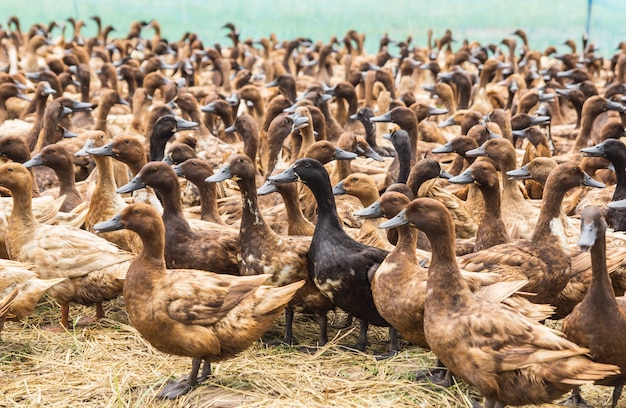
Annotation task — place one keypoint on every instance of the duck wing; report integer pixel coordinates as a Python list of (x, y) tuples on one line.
[(69, 252), (205, 298)]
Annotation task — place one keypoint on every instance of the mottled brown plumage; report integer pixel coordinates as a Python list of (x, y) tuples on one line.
[(599, 321), (511, 359), (263, 251), (192, 313)]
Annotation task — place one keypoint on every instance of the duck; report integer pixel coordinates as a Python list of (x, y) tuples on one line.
[(94, 267), (429, 170), (491, 230), (365, 189), (340, 266), (212, 248), (196, 171), (104, 202), (519, 215), (597, 321), (209, 317), (544, 259), (129, 150), (522, 361), (615, 151), (5, 305), (20, 277), (59, 159), (164, 129), (261, 249), (297, 224)]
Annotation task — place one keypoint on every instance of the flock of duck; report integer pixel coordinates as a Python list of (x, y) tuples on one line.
[(458, 197)]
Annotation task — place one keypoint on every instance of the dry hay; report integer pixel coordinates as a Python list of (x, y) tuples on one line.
[(110, 365)]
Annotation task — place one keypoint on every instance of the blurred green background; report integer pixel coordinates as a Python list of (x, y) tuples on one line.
[(547, 22)]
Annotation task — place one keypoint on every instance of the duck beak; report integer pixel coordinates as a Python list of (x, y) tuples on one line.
[(448, 122), (106, 150), (81, 106), (178, 169), (594, 151), (445, 175), (479, 151), (433, 111), (396, 221), (371, 153), (182, 124), (463, 178), (168, 160), (618, 205), (373, 211), (519, 133), (230, 129), (341, 154), (35, 161), (267, 188), (84, 151), (588, 181), (113, 224), (221, 174), (68, 134), (299, 122), (382, 118), (208, 108), (287, 176), (134, 184), (519, 174), (338, 189), (447, 148), (588, 235)]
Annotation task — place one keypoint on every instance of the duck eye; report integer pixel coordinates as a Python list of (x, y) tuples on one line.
[(10, 169)]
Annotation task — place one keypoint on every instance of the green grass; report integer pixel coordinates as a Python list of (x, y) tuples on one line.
[(546, 21)]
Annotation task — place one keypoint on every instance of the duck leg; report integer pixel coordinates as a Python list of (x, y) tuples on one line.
[(322, 320), (617, 392), (394, 346), (206, 371), (575, 399), (362, 340), (288, 336), (440, 376), (175, 389), (343, 324)]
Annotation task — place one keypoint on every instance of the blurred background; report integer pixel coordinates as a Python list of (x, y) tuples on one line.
[(547, 22)]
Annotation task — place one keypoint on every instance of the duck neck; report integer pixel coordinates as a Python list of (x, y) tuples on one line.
[(67, 183), (158, 140), (298, 224), (404, 163), (153, 249), (33, 134), (170, 197), (105, 182), (326, 206), (208, 203), (22, 219), (407, 242), (588, 116), (370, 133), (620, 175), (444, 278), (251, 218), (101, 118), (600, 286), (510, 190), (549, 223)]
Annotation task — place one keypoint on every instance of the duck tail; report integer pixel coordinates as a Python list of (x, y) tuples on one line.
[(7, 301), (276, 298)]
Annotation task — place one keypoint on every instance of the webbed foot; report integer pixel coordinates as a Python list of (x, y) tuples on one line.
[(175, 389)]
